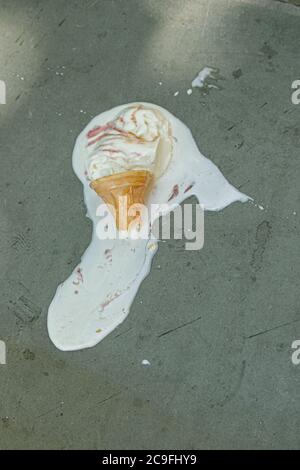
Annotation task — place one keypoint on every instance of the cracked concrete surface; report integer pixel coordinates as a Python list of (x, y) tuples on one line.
[(217, 326)]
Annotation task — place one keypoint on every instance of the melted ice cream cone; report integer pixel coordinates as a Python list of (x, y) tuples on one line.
[(122, 190), (124, 156)]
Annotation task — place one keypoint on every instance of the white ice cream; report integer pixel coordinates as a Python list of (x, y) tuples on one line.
[(202, 76), (98, 294), (139, 138)]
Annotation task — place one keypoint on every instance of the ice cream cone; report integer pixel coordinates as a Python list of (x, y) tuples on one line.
[(123, 190)]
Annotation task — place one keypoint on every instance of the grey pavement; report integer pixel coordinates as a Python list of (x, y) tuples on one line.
[(225, 380)]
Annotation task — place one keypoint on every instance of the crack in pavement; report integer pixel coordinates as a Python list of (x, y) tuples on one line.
[(271, 329), (178, 327)]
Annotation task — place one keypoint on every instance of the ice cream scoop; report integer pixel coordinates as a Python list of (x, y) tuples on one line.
[(126, 155)]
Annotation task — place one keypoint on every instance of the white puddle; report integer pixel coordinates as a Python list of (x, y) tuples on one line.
[(202, 76), (97, 296)]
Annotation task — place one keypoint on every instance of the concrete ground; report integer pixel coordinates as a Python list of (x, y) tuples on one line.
[(227, 379)]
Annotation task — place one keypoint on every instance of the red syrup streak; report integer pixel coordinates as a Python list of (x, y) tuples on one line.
[(112, 297), (80, 275), (109, 150), (133, 117), (103, 129), (175, 192), (93, 132), (100, 137), (188, 188)]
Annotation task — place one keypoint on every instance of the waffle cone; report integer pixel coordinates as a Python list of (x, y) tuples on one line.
[(130, 187)]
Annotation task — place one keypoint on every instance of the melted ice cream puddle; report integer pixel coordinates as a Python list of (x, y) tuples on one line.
[(203, 75), (97, 296)]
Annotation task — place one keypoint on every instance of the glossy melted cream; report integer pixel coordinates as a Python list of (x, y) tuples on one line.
[(97, 296)]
